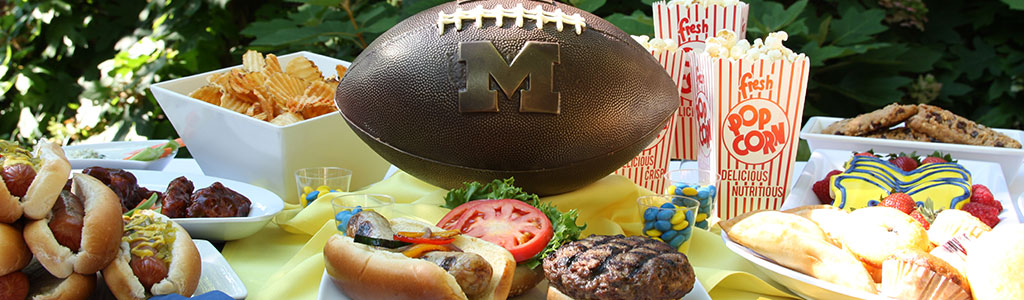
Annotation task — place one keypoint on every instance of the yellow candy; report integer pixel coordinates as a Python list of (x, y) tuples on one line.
[(681, 226), (657, 239), (653, 232), (684, 246), (680, 216), (306, 190), (689, 191), (701, 217), (670, 190)]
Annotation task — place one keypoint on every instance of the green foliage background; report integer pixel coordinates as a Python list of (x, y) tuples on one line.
[(62, 56)]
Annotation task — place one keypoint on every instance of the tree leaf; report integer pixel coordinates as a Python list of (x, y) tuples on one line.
[(319, 2), (773, 16), (818, 55), (264, 28), (857, 26), (636, 24), (588, 5), (1015, 4), (973, 63), (382, 25), (867, 87)]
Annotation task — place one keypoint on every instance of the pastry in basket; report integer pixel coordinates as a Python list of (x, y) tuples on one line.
[(954, 251), (952, 222), (880, 119), (868, 179), (995, 263), (880, 232), (917, 275), (797, 243), (833, 221), (948, 127)]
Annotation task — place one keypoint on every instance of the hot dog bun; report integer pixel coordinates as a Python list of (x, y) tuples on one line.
[(101, 232), (43, 286), (182, 278), (14, 254), (50, 179), (364, 272), (42, 192)]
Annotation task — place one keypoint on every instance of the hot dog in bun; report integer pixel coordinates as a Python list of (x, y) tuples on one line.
[(406, 259), (44, 286), (156, 257), (30, 182), (82, 231)]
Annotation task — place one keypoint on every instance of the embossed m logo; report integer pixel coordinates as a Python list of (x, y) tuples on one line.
[(533, 65)]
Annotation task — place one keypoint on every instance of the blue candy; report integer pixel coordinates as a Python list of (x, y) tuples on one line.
[(665, 214), (690, 216), (650, 213), (678, 240), (668, 235), (340, 214), (685, 235), (648, 226), (662, 226), (712, 190), (341, 227), (312, 195), (668, 205), (702, 194)]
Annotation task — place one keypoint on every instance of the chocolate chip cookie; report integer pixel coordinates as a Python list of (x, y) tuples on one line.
[(900, 133), (947, 127), (885, 117)]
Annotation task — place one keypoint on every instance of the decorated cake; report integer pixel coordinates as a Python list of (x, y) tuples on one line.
[(869, 179)]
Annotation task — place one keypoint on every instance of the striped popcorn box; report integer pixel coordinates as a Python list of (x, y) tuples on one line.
[(749, 105), (689, 23), (649, 167)]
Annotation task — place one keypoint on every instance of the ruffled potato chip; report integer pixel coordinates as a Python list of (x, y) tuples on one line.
[(341, 71), (231, 102), (284, 87), (272, 64), (321, 90), (312, 107), (286, 118), (252, 61), (209, 94), (304, 69)]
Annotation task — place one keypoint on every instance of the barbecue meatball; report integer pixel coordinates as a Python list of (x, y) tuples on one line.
[(218, 201), (177, 198), (619, 267)]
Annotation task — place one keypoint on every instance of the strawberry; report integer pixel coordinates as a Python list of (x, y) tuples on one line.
[(920, 219), (904, 162), (981, 194), (932, 159), (821, 188), (864, 154), (987, 214), (899, 201)]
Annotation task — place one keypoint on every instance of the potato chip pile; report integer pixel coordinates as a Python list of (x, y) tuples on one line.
[(262, 90)]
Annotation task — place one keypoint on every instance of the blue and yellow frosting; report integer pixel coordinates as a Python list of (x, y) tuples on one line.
[(867, 180)]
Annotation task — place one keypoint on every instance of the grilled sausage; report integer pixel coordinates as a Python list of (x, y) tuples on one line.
[(67, 221), (369, 223), (471, 271)]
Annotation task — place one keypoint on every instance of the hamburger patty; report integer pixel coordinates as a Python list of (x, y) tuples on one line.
[(619, 267)]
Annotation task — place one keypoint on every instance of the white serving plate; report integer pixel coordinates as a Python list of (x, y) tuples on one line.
[(231, 145), (329, 291), (1009, 159), (265, 205), (820, 163), (115, 153), (217, 273)]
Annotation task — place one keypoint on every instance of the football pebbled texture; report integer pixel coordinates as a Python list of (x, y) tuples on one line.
[(406, 96)]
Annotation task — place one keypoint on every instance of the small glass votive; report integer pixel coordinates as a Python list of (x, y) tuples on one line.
[(699, 184), (668, 218), (347, 205), (314, 182)]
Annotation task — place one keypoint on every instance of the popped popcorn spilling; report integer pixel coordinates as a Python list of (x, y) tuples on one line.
[(705, 3), (726, 45), (656, 45)]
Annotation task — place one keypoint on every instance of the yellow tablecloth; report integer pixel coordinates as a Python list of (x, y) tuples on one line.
[(285, 260)]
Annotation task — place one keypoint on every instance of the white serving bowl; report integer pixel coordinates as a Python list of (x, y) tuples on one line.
[(115, 153), (1009, 159), (231, 145), (264, 206)]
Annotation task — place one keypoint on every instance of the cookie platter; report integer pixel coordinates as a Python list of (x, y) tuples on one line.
[(818, 166)]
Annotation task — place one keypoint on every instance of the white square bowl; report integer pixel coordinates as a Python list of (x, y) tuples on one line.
[(232, 145), (1008, 158)]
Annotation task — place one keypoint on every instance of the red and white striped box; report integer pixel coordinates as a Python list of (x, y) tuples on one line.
[(649, 167), (748, 116), (690, 26)]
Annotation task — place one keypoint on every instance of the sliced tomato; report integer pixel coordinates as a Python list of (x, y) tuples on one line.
[(515, 225)]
